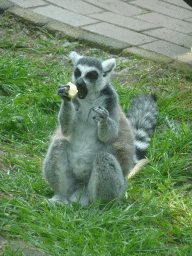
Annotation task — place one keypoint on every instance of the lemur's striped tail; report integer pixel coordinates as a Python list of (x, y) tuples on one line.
[(143, 118)]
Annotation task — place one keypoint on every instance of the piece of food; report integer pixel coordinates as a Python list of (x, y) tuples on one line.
[(72, 93)]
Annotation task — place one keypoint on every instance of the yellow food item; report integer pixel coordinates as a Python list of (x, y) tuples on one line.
[(72, 91)]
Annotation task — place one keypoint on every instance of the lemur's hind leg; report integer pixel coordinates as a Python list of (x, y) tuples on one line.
[(107, 181), (56, 171)]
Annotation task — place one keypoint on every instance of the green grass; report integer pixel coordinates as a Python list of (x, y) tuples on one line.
[(155, 219)]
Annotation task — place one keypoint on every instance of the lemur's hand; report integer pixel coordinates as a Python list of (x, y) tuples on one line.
[(62, 91), (100, 114)]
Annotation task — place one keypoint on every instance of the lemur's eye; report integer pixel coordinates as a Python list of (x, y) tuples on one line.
[(77, 73), (93, 75)]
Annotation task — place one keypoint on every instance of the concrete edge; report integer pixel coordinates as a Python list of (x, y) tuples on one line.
[(4, 5), (82, 35), (64, 30), (105, 43), (146, 54), (29, 15), (184, 66), (108, 44)]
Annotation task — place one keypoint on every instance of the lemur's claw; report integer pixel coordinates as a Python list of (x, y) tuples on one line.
[(100, 114), (63, 90)]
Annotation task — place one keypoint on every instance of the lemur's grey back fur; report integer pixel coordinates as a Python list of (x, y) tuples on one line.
[(143, 118)]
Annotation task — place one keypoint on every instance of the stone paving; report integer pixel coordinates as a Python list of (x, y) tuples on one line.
[(155, 29)]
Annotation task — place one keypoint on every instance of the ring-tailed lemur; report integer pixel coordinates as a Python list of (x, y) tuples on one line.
[(93, 149)]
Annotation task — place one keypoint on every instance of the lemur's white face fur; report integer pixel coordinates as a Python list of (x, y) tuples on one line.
[(90, 74)]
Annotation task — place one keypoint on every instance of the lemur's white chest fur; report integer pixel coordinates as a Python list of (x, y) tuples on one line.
[(84, 142)]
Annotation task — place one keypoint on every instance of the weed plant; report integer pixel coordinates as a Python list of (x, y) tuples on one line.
[(155, 219)]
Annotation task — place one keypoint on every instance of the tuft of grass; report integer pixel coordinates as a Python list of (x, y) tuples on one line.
[(155, 219)]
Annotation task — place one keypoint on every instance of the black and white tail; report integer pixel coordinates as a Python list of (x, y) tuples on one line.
[(143, 118)]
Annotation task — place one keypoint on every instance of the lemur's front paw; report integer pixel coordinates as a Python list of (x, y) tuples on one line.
[(63, 91), (100, 114)]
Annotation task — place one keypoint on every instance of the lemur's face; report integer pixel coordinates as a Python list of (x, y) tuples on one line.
[(87, 79), (90, 74)]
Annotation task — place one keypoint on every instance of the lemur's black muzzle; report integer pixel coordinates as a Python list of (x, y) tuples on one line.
[(82, 88)]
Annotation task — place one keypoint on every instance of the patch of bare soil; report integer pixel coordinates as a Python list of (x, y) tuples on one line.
[(18, 246)]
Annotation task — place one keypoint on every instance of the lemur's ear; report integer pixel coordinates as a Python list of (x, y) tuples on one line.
[(74, 57), (108, 65)]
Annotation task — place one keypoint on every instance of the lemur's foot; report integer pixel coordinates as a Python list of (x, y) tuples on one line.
[(58, 200)]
